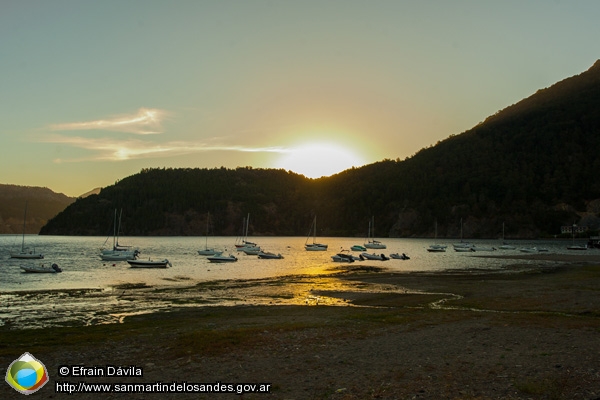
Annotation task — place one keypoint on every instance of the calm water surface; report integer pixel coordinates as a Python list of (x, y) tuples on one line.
[(83, 268)]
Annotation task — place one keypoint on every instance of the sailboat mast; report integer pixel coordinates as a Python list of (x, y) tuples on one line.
[(206, 238), (373, 229), (24, 220), (247, 226), (115, 230), (119, 228)]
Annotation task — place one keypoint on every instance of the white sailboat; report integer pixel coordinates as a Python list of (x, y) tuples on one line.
[(371, 243), (118, 252), (576, 246), (462, 246), (314, 246), (437, 248), (505, 246), (24, 254), (208, 251), (243, 244)]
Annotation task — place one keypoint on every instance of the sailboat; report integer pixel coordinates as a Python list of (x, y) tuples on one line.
[(371, 242), (437, 248), (24, 254), (118, 252), (462, 246), (314, 246), (243, 244), (576, 246), (504, 245), (208, 251)]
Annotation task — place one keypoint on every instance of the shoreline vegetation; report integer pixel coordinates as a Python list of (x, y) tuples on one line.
[(529, 331)]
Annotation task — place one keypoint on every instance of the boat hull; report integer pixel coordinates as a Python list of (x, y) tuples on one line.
[(315, 247), (149, 263), (377, 257), (54, 269), (375, 246), (27, 256), (269, 256), (222, 259)]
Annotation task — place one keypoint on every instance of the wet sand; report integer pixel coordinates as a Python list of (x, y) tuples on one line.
[(528, 331)]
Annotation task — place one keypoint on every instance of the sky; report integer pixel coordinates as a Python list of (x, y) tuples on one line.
[(94, 91)]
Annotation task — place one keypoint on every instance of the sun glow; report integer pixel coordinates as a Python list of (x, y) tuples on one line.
[(319, 159)]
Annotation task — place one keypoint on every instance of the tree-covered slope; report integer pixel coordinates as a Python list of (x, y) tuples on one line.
[(533, 166), (42, 205)]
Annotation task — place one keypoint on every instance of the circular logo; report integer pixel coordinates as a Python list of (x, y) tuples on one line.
[(26, 374)]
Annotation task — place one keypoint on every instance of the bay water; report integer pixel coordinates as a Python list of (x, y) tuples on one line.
[(79, 258)]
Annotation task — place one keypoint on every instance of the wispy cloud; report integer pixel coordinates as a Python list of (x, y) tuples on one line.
[(108, 149), (147, 121)]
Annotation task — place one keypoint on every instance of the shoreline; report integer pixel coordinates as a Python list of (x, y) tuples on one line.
[(89, 306), (526, 332)]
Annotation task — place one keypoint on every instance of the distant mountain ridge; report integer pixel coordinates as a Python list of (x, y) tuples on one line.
[(532, 166), (42, 205)]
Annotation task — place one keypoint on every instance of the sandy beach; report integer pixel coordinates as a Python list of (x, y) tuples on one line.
[(524, 332)]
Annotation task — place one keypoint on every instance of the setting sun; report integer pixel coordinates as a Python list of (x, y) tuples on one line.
[(319, 159)]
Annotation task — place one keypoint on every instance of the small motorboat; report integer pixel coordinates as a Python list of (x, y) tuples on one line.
[(397, 256), (437, 248), (464, 249), (344, 256), (41, 268), (373, 256), (358, 247), (209, 252), (149, 263), (269, 255), (222, 259)]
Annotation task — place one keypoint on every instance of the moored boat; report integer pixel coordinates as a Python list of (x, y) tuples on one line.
[(209, 252), (373, 256), (23, 254), (437, 248), (465, 249), (314, 246), (41, 268), (250, 250), (149, 263), (118, 255), (222, 259), (398, 256), (371, 243), (344, 256), (269, 255)]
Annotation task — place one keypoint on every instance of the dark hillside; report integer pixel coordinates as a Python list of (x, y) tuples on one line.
[(176, 202), (42, 205), (533, 166)]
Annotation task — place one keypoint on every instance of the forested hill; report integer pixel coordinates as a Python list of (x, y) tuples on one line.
[(533, 166), (42, 204)]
